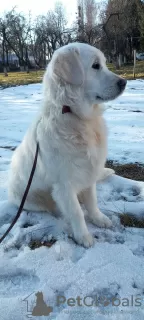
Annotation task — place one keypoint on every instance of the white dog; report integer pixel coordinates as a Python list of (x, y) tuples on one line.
[(72, 137)]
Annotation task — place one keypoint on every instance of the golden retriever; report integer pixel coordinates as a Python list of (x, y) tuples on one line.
[(72, 136)]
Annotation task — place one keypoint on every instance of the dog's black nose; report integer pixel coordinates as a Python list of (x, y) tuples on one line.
[(121, 83)]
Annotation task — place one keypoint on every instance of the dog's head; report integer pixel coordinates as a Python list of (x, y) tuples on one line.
[(82, 69), (39, 295)]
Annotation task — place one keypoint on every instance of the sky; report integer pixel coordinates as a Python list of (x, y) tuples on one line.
[(39, 7)]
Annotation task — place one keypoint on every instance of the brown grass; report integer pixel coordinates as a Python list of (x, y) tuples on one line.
[(131, 171), (24, 78), (34, 244), (127, 70), (20, 78), (128, 220)]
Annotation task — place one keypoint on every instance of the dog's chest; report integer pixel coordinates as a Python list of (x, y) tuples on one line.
[(91, 153), (77, 151), (94, 138)]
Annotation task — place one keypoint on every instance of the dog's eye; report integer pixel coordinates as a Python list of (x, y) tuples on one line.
[(96, 66)]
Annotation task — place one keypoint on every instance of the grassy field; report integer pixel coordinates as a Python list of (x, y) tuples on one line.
[(127, 70), (23, 78), (20, 78)]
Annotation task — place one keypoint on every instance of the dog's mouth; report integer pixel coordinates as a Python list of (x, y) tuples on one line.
[(110, 98), (99, 98), (107, 98)]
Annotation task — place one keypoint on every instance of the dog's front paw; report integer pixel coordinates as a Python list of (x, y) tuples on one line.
[(101, 220), (85, 240)]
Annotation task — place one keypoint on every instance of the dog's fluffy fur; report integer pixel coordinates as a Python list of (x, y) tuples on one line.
[(73, 146)]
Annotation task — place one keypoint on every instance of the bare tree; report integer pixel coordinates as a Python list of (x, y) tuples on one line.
[(50, 31), (88, 24), (90, 11), (3, 44), (17, 36), (121, 21)]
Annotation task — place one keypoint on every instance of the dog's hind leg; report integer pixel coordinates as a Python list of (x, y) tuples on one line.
[(105, 174)]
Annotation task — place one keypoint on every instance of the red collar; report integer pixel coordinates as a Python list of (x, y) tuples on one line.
[(65, 109)]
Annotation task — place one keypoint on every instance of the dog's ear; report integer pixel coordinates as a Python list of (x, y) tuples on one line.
[(68, 67)]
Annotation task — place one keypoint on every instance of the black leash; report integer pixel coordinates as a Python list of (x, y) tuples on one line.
[(24, 196)]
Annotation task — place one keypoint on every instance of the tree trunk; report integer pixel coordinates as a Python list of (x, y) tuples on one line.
[(27, 61), (120, 60), (7, 60), (134, 68), (5, 72), (27, 69), (21, 64), (117, 63), (22, 68), (3, 59)]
